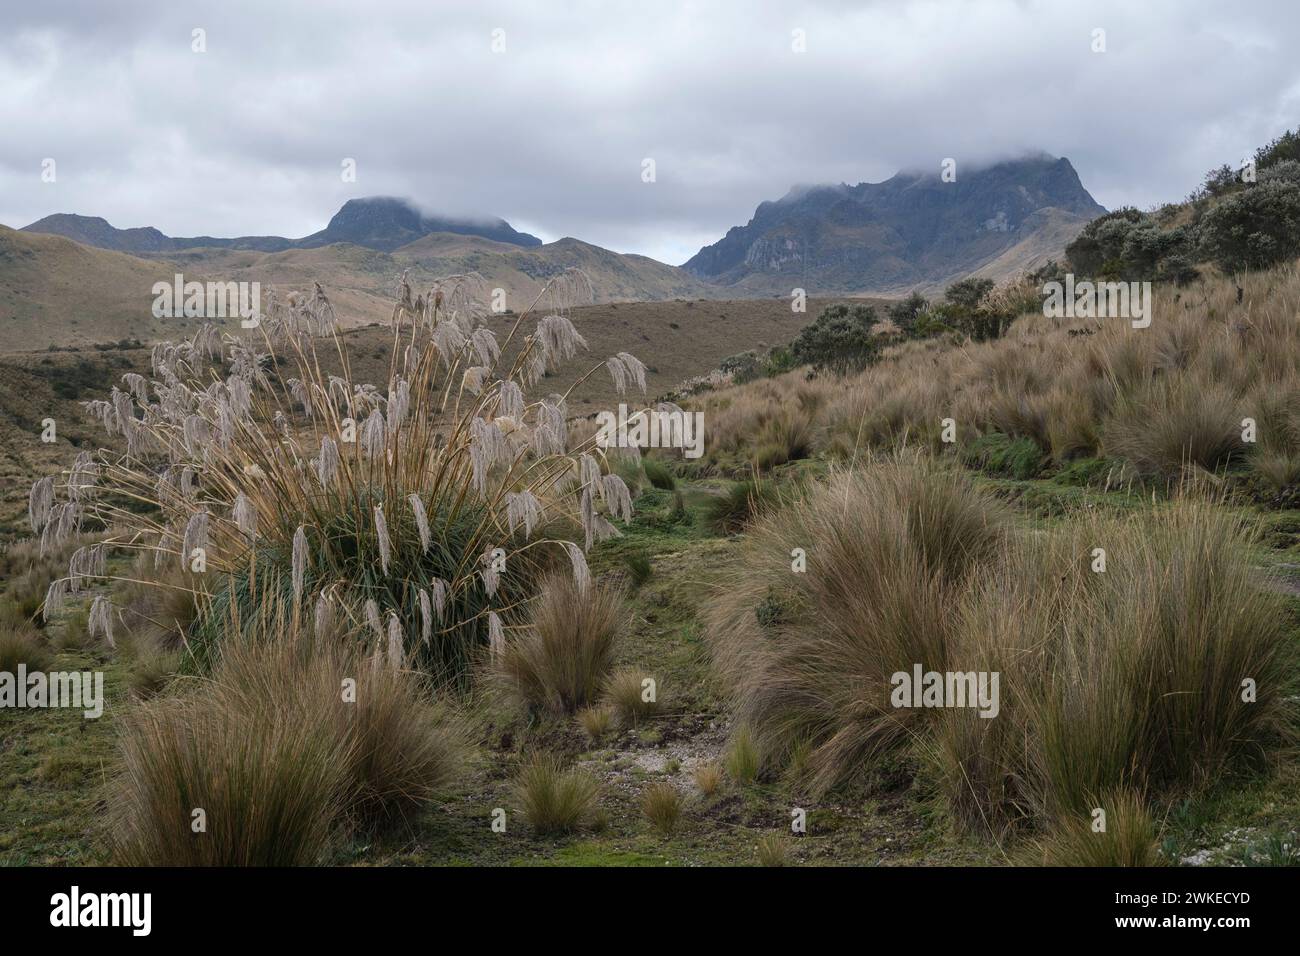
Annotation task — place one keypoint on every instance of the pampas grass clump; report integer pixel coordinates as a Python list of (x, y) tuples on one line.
[(436, 494)]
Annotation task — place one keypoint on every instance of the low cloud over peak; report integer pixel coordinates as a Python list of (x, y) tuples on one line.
[(551, 130)]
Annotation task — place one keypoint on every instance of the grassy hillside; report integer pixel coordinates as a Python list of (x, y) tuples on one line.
[(46, 282), (770, 684), (54, 291)]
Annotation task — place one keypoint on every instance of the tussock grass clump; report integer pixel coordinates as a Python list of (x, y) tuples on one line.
[(1167, 426), (555, 800), (659, 474), (630, 697), (743, 760), (400, 747), (1136, 677), (1129, 839), (738, 505), (561, 661), (773, 850), (289, 744), (1168, 398), (151, 672), (787, 436), (23, 645), (596, 721), (708, 777), (638, 567), (662, 805), (74, 635), (809, 656), (268, 796)]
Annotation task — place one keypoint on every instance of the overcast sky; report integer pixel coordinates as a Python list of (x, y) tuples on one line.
[(551, 133)]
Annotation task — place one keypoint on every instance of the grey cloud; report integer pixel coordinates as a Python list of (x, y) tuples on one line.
[(248, 138)]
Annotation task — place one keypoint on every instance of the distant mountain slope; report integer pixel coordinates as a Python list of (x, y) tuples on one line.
[(382, 222), (54, 291), (910, 230), (377, 222)]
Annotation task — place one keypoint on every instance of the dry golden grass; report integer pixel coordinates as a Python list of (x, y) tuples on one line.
[(596, 721), (662, 805), (553, 799), (1162, 398), (561, 660), (1129, 837), (631, 697), (809, 655), (294, 740), (708, 777)]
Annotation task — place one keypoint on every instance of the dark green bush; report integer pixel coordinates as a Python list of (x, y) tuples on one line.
[(841, 339)]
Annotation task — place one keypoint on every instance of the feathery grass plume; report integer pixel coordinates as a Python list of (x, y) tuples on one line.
[(396, 643), (510, 400), (523, 508), (40, 503), (374, 434), (373, 619), (618, 373), (578, 561), (496, 635), (484, 342), (399, 402), (635, 369), (472, 380), (438, 589), (101, 619), (195, 537), (421, 522), (426, 617), (559, 340), (491, 576), (87, 562), (299, 561), (327, 465), (614, 492), (244, 515), (323, 618), (381, 536), (55, 598)]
